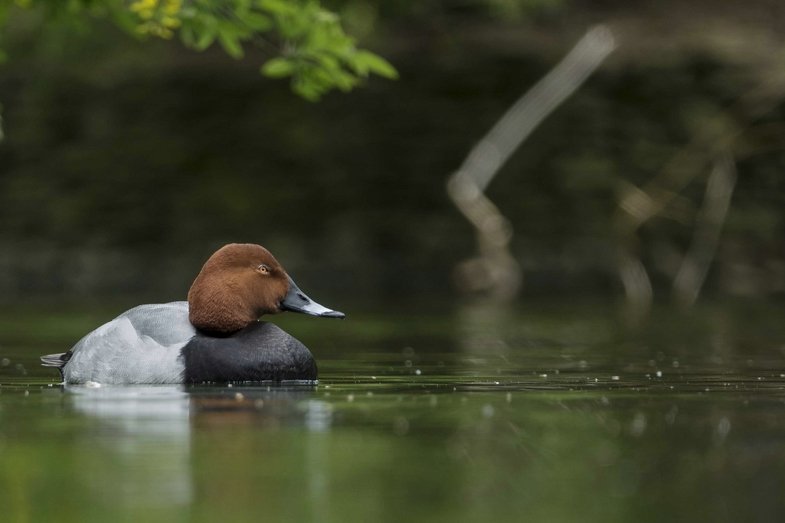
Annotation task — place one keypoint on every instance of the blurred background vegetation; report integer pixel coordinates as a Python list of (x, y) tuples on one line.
[(126, 162)]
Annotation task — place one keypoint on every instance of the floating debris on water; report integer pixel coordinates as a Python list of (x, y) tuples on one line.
[(659, 374), (92, 385), (615, 378), (670, 416), (723, 428), (239, 396), (418, 372), (488, 410), (400, 426), (638, 424)]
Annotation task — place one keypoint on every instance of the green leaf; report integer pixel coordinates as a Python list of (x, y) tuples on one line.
[(292, 27), (257, 22), (187, 35), (343, 80), (328, 62), (205, 39), (231, 44), (368, 61), (188, 12), (279, 7), (279, 68), (325, 16), (307, 90)]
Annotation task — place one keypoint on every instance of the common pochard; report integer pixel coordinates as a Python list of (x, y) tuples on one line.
[(215, 336)]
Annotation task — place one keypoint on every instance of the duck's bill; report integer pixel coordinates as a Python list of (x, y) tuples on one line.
[(297, 301)]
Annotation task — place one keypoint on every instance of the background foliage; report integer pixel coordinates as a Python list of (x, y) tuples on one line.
[(307, 41), (127, 161)]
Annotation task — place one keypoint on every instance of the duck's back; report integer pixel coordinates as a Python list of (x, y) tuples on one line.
[(142, 345), (167, 323)]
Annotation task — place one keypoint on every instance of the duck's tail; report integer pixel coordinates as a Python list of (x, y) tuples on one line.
[(56, 360)]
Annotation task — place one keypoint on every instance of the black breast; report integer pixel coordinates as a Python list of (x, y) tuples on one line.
[(260, 352)]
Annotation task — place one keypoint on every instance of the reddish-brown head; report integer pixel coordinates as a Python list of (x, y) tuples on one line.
[(241, 282)]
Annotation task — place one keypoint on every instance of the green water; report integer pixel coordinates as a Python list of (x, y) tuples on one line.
[(545, 413)]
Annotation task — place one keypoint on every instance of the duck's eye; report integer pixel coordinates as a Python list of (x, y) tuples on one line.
[(264, 269)]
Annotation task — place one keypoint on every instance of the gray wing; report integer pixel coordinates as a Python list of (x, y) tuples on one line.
[(141, 345), (166, 323)]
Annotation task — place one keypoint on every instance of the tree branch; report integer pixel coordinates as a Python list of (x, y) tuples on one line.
[(495, 269)]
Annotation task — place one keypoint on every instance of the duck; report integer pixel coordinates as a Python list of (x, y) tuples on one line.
[(216, 336)]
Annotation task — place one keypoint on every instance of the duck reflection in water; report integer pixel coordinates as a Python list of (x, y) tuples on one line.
[(154, 427)]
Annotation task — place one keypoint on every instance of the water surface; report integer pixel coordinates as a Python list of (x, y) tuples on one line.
[(546, 413)]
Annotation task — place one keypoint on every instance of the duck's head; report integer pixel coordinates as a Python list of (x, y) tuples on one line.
[(241, 282)]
